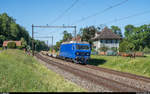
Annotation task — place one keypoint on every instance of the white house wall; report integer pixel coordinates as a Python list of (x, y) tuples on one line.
[(98, 44), (110, 45)]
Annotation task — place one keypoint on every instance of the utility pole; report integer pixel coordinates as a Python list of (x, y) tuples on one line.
[(52, 42), (75, 33), (32, 40), (47, 42)]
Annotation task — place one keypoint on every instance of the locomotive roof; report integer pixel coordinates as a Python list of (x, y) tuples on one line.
[(70, 42)]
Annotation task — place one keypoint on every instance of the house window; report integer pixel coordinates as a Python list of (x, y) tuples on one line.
[(110, 41), (101, 41), (104, 41), (116, 41)]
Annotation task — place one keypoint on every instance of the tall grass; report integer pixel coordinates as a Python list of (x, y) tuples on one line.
[(22, 73), (139, 65)]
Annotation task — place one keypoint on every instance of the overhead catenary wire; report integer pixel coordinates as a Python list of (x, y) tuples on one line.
[(64, 12), (144, 22), (127, 17), (95, 14)]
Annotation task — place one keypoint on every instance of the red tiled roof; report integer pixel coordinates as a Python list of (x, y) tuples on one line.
[(106, 34), (18, 43)]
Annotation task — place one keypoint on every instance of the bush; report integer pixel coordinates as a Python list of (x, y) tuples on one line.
[(11, 45), (126, 46), (19, 47), (114, 49), (1, 48), (146, 50), (104, 48)]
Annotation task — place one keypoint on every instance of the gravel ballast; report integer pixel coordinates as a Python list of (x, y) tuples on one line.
[(89, 86)]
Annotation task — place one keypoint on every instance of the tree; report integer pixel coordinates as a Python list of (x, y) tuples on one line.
[(114, 49), (57, 46), (67, 36), (129, 29), (126, 46), (10, 30), (139, 36), (146, 50), (116, 30), (2, 38), (23, 43), (40, 45), (103, 48), (88, 33)]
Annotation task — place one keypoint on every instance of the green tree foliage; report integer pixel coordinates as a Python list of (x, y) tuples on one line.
[(10, 30), (2, 38), (138, 36), (114, 49), (57, 46), (103, 48), (146, 50), (23, 43), (129, 29), (67, 36), (116, 30), (126, 46), (40, 45), (11, 45), (88, 33)]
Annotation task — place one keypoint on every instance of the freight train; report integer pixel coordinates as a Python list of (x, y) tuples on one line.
[(77, 52)]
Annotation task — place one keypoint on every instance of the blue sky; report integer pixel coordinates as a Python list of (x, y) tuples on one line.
[(42, 12)]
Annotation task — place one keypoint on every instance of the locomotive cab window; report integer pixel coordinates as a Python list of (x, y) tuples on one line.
[(73, 47), (82, 47)]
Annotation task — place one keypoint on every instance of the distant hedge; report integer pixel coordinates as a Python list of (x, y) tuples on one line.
[(11, 45), (1, 48)]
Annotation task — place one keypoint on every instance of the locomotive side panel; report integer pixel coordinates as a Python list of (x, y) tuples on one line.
[(66, 50)]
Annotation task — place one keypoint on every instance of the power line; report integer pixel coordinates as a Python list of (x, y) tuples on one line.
[(127, 17), (106, 9), (63, 13)]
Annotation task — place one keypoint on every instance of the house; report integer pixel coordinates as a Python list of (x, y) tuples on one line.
[(106, 38), (18, 43)]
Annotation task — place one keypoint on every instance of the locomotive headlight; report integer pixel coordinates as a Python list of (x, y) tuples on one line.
[(87, 53), (77, 53)]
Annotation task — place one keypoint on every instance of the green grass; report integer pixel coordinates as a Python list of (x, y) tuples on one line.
[(22, 73), (139, 65)]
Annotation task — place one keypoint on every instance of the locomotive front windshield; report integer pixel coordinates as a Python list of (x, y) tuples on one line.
[(82, 47)]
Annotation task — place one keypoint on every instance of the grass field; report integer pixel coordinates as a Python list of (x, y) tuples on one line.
[(22, 73), (139, 65)]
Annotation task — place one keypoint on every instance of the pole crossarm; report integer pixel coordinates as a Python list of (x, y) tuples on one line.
[(55, 26), (45, 37)]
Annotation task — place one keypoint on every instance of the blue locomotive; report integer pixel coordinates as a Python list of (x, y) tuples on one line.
[(77, 52)]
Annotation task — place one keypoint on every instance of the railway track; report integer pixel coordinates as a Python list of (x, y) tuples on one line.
[(99, 80), (124, 74)]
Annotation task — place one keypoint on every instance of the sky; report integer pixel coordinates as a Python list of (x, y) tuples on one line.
[(43, 12)]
